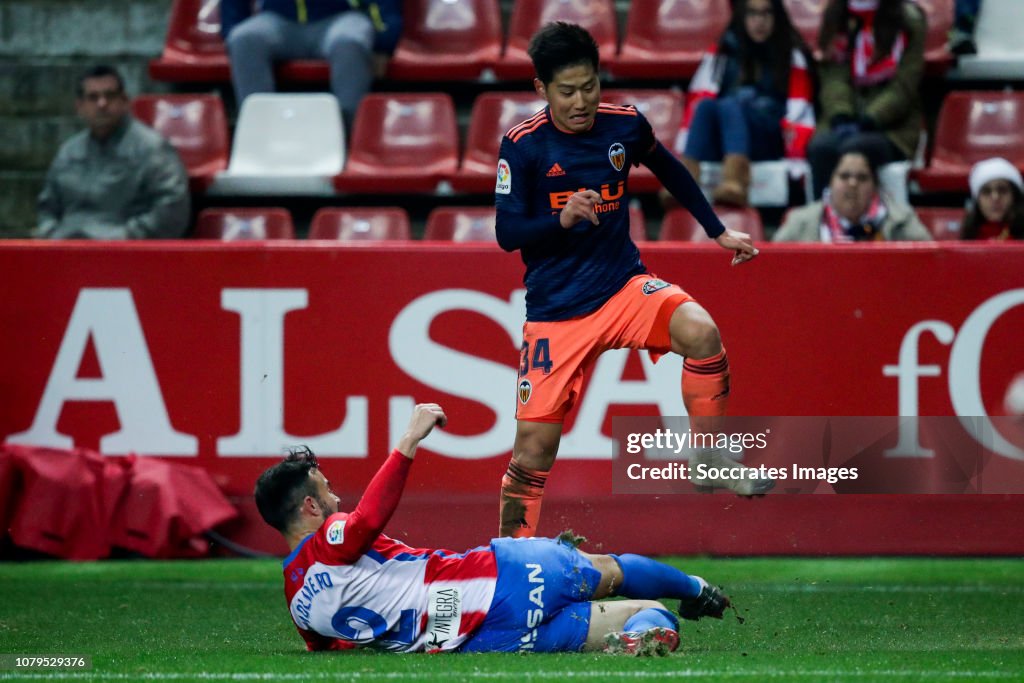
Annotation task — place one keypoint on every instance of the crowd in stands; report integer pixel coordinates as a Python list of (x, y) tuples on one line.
[(837, 110)]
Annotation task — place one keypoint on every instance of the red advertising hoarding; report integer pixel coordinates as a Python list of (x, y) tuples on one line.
[(223, 355)]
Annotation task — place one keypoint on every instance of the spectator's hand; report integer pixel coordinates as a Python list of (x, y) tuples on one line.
[(738, 242), (425, 416), (580, 207)]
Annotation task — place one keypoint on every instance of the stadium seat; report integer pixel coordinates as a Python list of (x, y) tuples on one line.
[(402, 143), (193, 49), (197, 128), (461, 224), (942, 222), (232, 225), (972, 126), (806, 18), (937, 57), (351, 224), (446, 40), (285, 144), (997, 35), (680, 226), (597, 16), (493, 114), (637, 223), (665, 38), (664, 110)]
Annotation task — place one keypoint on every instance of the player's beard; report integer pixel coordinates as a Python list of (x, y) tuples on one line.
[(328, 509)]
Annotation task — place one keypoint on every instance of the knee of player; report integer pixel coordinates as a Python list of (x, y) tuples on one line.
[(698, 337)]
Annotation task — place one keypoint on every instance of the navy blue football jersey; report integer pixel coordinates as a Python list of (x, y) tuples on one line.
[(570, 272)]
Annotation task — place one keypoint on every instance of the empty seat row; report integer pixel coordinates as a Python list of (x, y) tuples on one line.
[(406, 143), (449, 224), (401, 143), (447, 40)]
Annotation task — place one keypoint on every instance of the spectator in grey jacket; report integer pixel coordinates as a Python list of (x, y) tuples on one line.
[(119, 179), (852, 210)]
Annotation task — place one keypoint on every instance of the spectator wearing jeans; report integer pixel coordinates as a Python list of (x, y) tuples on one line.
[(751, 98), (346, 33)]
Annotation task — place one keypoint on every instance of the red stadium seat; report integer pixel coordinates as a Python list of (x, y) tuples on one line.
[(402, 143), (493, 115), (679, 226), (446, 40), (351, 224), (193, 49), (666, 38), (197, 128), (937, 57), (972, 126), (597, 16), (806, 18), (230, 225), (637, 223), (942, 222), (664, 110), (461, 224)]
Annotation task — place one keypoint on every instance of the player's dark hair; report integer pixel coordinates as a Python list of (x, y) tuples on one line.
[(98, 71), (282, 488), (559, 45)]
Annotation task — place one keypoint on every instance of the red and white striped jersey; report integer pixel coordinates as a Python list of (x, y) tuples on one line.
[(348, 585)]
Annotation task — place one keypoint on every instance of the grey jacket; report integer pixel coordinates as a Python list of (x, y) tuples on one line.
[(804, 224), (131, 186)]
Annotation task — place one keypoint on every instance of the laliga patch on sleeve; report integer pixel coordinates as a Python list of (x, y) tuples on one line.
[(504, 184), (336, 532)]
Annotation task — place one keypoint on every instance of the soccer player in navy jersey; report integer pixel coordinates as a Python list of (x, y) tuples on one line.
[(348, 585), (562, 202)]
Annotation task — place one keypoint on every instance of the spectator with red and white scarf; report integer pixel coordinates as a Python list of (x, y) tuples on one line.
[(871, 68), (853, 209), (751, 98)]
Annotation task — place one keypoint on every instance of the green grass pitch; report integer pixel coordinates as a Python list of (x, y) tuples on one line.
[(805, 620)]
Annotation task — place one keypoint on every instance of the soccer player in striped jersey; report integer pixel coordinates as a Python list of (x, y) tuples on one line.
[(562, 201), (348, 585)]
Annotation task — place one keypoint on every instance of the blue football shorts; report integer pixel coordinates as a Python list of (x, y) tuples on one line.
[(541, 599)]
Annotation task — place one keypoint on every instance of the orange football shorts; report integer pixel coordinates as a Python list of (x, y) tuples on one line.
[(556, 356)]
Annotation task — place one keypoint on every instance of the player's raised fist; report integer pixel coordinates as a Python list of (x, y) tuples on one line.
[(425, 416)]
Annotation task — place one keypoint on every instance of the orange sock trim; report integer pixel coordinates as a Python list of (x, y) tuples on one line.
[(706, 391), (522, 491)]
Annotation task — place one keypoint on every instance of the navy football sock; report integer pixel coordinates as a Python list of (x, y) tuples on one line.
[(649, 618), (644, 578)]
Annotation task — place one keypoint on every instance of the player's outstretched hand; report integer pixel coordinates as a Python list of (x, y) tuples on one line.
[(738, 242), (424, 417), (580, 207)]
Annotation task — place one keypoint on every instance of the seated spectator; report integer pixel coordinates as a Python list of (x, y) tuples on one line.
[(997, 206), (965, 18), (871, 68), (852, 210), (119, 179), (344, 32), (751, 98)]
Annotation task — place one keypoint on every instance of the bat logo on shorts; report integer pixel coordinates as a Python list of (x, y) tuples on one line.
[(525, 390), (617, 155), (652, 286)]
